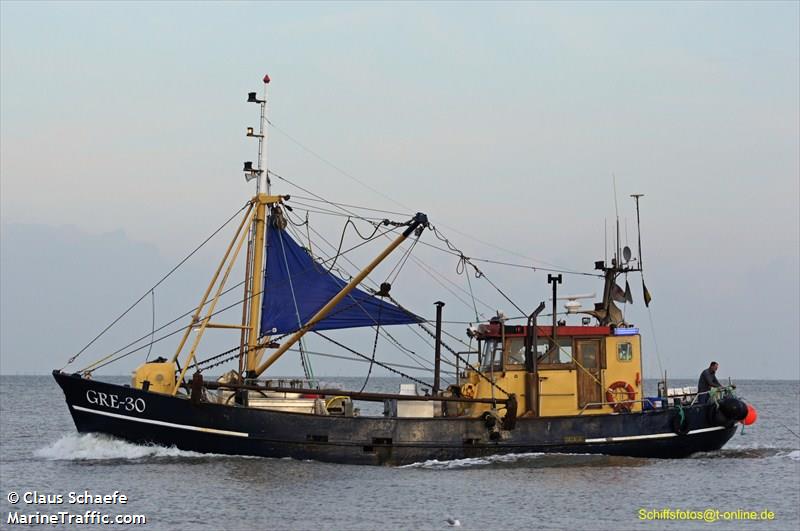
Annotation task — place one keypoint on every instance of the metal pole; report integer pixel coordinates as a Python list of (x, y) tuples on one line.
[(638, 227), (256, 283), (245, 306), (438, 350), (531, 376), (263, 178), (554, 280)]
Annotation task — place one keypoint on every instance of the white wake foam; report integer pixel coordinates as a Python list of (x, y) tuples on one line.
[(794, 455), (91, 446), (435, 464)]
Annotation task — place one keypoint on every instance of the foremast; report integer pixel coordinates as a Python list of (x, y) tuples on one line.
[(263, 209), (252, 351)]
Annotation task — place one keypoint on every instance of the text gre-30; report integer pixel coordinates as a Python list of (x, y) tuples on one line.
[(126, 403)]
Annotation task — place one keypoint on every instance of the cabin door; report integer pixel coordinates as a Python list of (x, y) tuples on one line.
[(589, 386)]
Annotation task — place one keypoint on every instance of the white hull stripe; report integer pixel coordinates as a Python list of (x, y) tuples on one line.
[(651, 436), (161, 422)]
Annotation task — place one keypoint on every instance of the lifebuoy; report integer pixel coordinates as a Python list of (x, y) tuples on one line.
[(468, 390), (611, 396)]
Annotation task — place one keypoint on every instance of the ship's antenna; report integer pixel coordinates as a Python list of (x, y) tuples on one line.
[(261, 172), (616, 210), (638, 228)]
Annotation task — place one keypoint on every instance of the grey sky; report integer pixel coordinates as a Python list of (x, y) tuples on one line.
[(503, 121)]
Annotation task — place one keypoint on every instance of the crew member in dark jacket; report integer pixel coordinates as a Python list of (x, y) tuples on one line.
[(708, 379)]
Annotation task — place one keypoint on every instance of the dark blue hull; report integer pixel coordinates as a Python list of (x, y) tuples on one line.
[(146, 417)]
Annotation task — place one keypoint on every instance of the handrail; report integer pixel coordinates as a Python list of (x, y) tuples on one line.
[(355, 395), (642, 400), (723, 391)]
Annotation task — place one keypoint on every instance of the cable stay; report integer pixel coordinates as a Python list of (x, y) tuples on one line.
[(154, 286), (378, 192), (391, 212)]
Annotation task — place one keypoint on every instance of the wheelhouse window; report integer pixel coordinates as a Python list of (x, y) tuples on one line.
[(492, 356), (624, 352), (495, 358), (560, 353), (515, 352)]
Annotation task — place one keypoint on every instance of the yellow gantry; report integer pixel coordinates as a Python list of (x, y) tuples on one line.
[(257, 275), (255, 217)]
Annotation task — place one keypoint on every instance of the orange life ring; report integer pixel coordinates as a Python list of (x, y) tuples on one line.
[(611, 396), (468, 390)]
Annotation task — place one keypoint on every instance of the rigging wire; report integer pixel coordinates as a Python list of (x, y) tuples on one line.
[(374, 349), (341, 239), (378, 192), (381, 364), (165, 277), (655, 339), (306, 367), (478, 273), (394, 213), (433, 274), (206, 364), (397, 344), (491, 381), (360, 360), (153, 323), (438, 234), (299, 205), (454, 251), (472, 294), (332, 165), (226, 308), (511, 264), (281, 177), (406, 351), (401, 263)]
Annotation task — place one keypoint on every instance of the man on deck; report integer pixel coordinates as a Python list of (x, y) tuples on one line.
[(708, 379)]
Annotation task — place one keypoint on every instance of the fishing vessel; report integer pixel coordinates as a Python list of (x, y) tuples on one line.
[(573, 385)]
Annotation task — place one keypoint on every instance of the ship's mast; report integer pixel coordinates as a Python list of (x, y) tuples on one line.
[(263, 178), (261, 200)]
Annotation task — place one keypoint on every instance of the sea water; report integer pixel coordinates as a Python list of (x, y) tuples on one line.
[(758, 471)]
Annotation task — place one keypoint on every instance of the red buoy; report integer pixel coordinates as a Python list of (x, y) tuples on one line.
[(751, 415)]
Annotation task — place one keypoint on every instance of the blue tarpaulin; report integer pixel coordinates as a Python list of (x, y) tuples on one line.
[(296, 286)]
